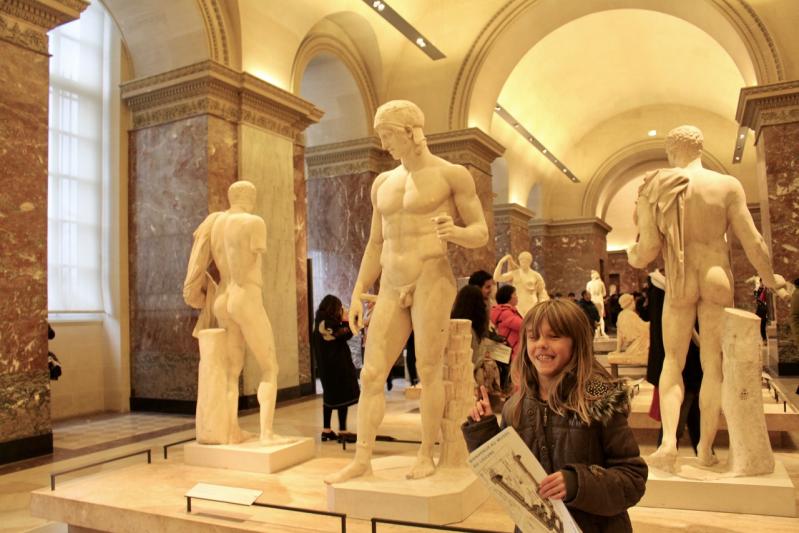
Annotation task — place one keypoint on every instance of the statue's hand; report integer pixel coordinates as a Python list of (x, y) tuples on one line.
[(784, 295), (356, 315), (506, 257), (445, 227)]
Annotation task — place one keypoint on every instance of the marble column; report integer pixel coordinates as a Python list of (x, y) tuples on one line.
[(340, 177), (304, 311), (772, 111), (510, 229), (196, 130), (475, 150), (565, 252), (25, 424)]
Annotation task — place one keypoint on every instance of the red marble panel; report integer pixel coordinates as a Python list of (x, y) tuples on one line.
[(631, 279), (24, 386), (464, 261), (742, 269), (566, 261), (510, 236), (301, 266), (782, 174)]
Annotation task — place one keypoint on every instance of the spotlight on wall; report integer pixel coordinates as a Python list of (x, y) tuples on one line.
[(652, 133), (529, 137), (405, 28)]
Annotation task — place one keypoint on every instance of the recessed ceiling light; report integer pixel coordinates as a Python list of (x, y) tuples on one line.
[(741, 136), (405, 28), (544, 151), (652, 133), (421, 42), (497, 108)]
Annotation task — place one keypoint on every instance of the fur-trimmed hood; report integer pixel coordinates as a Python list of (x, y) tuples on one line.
[(606, 398)]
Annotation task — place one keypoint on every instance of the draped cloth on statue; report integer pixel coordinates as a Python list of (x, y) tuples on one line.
[(664, 191)]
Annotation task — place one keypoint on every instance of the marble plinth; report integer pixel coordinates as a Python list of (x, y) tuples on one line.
[(604, 345), (450, 495), (700, 489), (251, 456)]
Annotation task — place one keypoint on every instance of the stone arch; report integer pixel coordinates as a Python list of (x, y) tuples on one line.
[(318, 41), (507, 37)]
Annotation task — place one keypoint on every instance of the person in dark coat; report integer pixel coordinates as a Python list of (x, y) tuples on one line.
[(589, 308), (573, 417), (334, 363)]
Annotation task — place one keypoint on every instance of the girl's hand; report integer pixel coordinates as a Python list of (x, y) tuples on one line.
[(482, 406), (553, 486)]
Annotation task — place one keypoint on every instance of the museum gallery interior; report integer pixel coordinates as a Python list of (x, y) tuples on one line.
[(201, 197)]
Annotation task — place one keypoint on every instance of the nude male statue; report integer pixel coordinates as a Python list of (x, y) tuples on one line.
[(685, 211), (596, 287), (236, 239), (412, 222), (529, 284)]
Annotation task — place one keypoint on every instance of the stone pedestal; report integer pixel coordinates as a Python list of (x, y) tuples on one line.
[(772, 111), (249, 456), (25, 428), (510, 227), (566, 251), (475, 150), (340, 178), (196, 130)]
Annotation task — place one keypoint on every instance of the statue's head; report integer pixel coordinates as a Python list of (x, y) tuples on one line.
[(242, 194), (683, 145), (626, 301), (525, 259), (399, 125), (594, 274)]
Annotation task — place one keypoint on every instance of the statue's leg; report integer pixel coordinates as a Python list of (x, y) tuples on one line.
[(435, 292), (678, 323), (711, 318), (235, 349), (251, 317), (388, 332)]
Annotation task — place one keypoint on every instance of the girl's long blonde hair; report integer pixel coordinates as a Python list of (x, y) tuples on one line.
[(567, 393)]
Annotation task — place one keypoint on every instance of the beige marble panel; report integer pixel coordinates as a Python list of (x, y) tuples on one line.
[(266, 160)]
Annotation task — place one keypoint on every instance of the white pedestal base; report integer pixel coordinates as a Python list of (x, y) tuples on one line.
[(702, 489), (450, 495), (251, 456)]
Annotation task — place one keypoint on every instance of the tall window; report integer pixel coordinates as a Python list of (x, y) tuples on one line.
[(80, 112)]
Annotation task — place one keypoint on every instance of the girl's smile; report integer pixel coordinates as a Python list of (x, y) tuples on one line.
[(549, 352)]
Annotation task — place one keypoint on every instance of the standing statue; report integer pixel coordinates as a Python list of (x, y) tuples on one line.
[(597, 289), (529, 285), (632, 335), (234, 240), (412, 222), (685, 212)]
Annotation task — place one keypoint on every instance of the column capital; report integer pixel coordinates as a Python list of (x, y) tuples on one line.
[(208, 87), (570, 226), (347, 158), (26, 22), (768, 105), (470, 146), (516, 213)]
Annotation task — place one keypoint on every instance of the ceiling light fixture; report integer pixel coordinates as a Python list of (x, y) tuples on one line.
[(529, 137), (405, 28), (740, 142), (652, 133)]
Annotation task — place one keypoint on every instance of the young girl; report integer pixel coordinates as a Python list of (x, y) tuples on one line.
[(334, 363), (573, 416)]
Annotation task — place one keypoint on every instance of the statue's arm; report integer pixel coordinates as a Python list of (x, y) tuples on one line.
[(258, 235), (475, 233), (744, 228), (649, 243), (498, 275), (543, 296), (370, 262)]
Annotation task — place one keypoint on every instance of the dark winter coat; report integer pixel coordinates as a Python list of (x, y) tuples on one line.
[(590, 310), (601, 463), (334, 364)]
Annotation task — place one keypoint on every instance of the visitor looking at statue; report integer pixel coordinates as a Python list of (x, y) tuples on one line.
[(530, 286)]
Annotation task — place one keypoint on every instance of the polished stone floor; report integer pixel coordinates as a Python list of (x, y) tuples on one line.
[(84, 441)]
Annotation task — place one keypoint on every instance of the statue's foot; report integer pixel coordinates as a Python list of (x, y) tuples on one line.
[(273, 439), (238, 435), (423, 467), (664, 458), (707, 457), (352, 470)]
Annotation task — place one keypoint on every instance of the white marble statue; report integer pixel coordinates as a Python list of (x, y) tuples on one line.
[(596, 287), (234, 240), (529, 285), (685, 212), (741, 396), (412, 223), (632, 335)]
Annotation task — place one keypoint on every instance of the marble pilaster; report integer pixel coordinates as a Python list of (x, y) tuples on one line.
[(475, 150), (196, 130), (510, 229), (340, 178), (25, 424), (304, 317), (772, 111), (565, 252)]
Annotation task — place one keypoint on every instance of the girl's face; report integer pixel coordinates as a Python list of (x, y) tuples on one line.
[(548, 352)]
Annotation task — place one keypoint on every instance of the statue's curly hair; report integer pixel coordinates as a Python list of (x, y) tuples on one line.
[(685, 137)]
